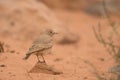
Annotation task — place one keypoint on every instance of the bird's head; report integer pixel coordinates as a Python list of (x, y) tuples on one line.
[(50, 32)]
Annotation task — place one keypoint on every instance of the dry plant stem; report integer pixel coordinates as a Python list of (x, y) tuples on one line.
[(100, 39), (114, 48), (108, 45), (109, 20), (1, 47), (107, 13)]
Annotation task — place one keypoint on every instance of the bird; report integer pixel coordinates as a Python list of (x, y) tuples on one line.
[(42, 45)]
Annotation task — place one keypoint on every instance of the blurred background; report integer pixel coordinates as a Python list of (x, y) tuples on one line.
[(86, 48)]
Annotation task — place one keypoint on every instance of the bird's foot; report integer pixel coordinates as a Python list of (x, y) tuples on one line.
[(43, 62)]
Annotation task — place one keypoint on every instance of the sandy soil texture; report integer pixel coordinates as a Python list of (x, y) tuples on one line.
[(17, 32)]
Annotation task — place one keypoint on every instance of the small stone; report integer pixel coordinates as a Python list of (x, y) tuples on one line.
[(57, 59), (85, 78), (12, 51), (101, 59), (2, 65)]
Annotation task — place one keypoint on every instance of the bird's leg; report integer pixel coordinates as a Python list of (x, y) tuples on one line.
[(43, 59), (38, 58)]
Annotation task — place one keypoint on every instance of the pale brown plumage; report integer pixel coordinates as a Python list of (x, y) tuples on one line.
[(43, 44)]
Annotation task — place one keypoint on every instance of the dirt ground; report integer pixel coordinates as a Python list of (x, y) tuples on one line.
[(68, 58)]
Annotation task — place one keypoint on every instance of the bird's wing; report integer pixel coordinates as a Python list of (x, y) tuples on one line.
[(41, 43), (39, 47)]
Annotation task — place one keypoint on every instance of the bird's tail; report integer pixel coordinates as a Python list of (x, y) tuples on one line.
[(26, 57)]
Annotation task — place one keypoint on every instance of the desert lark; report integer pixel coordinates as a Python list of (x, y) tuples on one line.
[(42, 45)]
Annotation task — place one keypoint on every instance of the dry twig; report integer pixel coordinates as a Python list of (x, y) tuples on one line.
[(1, 47)]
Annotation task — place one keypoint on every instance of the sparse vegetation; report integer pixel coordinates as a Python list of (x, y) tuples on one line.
[(110, 42)]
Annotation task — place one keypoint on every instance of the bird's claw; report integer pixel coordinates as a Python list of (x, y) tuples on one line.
[(42, 62)]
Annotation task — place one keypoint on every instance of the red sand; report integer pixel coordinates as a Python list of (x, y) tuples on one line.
[(67, 58)]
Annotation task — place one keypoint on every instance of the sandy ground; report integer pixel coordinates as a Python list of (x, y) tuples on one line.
[(67, 58)]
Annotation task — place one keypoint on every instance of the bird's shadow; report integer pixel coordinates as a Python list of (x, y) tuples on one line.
[(44, 68)]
